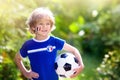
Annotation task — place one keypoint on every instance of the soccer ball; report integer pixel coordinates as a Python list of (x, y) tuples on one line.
[(65, 64)]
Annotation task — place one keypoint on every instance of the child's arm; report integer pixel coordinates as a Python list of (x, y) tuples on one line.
[(75, 52), (25, 72)]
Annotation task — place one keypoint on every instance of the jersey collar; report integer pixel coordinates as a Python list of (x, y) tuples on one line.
[(41, 40)]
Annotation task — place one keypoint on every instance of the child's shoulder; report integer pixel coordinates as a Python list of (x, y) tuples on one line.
[(56, 38), (28, 41)]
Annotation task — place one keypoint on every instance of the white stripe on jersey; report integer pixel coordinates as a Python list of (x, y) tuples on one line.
[(48, 48)]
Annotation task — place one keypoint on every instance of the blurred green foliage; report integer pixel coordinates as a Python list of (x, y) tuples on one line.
[(109, 68), (91, 26)]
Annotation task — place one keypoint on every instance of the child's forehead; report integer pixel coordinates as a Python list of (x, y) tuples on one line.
[(43, 20)]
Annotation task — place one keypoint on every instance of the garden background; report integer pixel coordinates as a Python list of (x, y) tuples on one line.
[(92, 26)]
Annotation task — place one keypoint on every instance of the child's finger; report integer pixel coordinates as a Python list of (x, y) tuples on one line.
[(35, 75)]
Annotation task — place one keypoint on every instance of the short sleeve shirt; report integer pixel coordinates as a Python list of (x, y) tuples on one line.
[(42, 55)]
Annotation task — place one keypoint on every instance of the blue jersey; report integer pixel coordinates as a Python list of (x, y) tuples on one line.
[(42, 56)]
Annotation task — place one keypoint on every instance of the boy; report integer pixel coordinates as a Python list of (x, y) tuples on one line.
[(42, 49)]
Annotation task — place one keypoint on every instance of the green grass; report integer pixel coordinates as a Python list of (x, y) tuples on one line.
[(89, 72)]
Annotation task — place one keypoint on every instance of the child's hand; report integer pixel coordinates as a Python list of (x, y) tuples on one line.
[(76, 72), (31, 74)]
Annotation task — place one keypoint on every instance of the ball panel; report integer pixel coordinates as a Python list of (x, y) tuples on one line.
[(67, 66), (70, 59), (63, 55), (61, 62), (75, 59), (69, 73), (62, 76), (74, 66), (60, 71), (55, 65)]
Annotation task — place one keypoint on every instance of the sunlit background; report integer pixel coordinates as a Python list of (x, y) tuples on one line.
[(92, 26)]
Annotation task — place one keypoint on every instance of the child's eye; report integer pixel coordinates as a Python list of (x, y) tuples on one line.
[(48, 23), (40, 23)]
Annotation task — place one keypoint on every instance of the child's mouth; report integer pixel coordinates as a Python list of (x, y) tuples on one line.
[(44, 30)]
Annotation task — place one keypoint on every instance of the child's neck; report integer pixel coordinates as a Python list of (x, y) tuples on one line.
[(41, 37)]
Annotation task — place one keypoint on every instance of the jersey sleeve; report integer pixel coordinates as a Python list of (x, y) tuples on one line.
[(59, 43), (23, 50)]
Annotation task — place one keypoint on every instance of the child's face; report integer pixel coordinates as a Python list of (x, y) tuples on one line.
[(43, 28)]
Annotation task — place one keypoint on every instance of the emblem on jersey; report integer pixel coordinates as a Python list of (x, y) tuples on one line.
[(50, 48)]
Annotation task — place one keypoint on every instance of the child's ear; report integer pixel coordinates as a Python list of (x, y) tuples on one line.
[(32, 30)]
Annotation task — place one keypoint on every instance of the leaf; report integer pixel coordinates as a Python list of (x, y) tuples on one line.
[(74, 27), (81, 20)]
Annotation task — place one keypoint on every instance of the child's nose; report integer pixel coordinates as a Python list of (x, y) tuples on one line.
[(44, 26)]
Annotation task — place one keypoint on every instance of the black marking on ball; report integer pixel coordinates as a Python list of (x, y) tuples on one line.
[(75, 59), (63, 55), (62, 76), (67, 67), (56, 65)]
